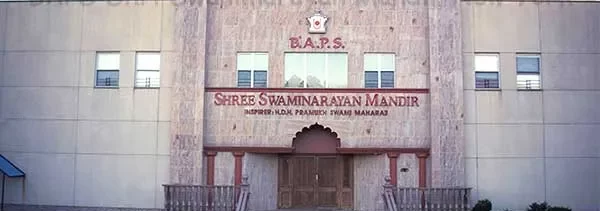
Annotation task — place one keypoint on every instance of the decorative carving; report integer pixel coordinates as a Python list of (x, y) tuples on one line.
[(315, 129), (316, 139)]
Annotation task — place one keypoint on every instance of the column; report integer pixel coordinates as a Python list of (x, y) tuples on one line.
[(422, 169), (210, 167), (393, 156), (238, 167)]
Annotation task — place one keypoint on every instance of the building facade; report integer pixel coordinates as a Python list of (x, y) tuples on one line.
[(103, 102)]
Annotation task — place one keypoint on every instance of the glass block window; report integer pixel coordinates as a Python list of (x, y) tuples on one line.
[(147, 69), (252, 70), (528, 72), (107, 69), (487, 71), (379, 70)]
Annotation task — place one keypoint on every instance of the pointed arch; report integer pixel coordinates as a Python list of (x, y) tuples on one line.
[(316, 139)]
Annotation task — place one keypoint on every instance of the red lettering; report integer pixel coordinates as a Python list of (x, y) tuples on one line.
[(372, 101), (218, 98), (294, 42), (337, 43), (415, 101), (262, 99), (324, 41), (324, 101), (309, 43)]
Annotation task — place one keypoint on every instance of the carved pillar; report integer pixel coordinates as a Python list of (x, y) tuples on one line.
[(422, 169), (393, 156), (210, 167), (238, 167)]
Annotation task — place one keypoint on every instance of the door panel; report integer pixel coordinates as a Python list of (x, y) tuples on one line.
[(327, 181), (285, 186), (315, 181), (303, 181)]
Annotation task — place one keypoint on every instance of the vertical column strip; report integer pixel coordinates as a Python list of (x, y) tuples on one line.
[(393, 156)]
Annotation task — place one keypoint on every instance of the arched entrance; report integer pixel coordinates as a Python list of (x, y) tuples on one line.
[(315, 174)]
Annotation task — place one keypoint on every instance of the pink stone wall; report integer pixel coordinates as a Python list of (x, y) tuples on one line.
[(228, 125), (424, 36), (391, 28)]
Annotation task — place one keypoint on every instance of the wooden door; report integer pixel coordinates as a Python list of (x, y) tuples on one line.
[(303, 182), (315, 181), (327, 178)]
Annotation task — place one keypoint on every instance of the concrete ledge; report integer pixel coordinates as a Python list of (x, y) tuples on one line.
[(22, 207)]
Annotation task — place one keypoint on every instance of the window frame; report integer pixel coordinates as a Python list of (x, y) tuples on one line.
[(496, 71), (538, 56), (97, 70), (305, 69), (379, 70), (135, 84), (252, 69)]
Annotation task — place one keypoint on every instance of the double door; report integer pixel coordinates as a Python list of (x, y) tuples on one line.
[(307, 181)]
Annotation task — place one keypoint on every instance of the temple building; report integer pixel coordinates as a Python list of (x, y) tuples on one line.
[(299, 104)]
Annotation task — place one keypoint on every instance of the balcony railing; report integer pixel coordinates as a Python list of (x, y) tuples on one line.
[(147, 82), (528, 84), (107, 82), (484, 84), (426, 199), (180, 197)]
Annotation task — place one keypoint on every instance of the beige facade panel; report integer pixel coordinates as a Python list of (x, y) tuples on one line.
[(51, 136), (569, 27), (522, 181), (128, 25), (35, 69), (573, 184), (570, 71), (510, 141), (39, 102), (45, 27), (41, 168), (494, 30)]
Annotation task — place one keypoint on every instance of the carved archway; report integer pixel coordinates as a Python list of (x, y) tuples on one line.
[(316, 139)]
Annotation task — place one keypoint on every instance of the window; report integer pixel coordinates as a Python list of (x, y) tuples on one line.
[(487, 71), (379, 70), (107, 69), (252, 69), (147, 69), (528, 72), (316, 70)]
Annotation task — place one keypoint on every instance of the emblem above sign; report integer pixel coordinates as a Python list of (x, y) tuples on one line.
[(317, 23)]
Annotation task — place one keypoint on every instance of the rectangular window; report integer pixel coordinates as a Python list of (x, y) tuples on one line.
[(379, 70), (107, 69), (316, 70), (147, 69), (528, 72), (487, 71), (252, 70)]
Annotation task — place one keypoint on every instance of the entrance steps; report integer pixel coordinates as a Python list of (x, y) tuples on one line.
[(309, 209)]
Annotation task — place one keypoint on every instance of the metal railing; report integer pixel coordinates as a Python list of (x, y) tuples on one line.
[(487, 84), (426, 199), (109, 82), (179, 197), (528, 84), (147, 82)]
